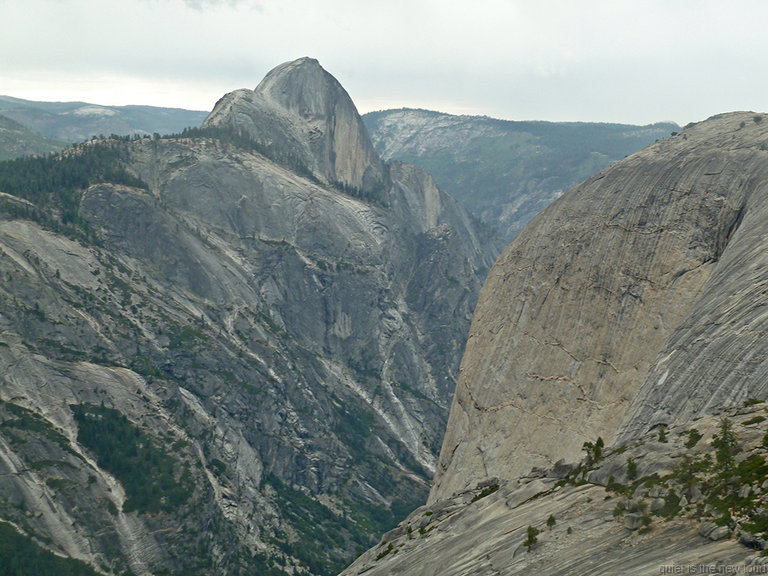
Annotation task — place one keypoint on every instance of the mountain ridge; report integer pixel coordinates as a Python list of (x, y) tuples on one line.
[(71, 122), (16, 140), (504, 171), (273, 353)]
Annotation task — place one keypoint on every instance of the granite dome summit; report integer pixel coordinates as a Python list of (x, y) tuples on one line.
[(301, 111)]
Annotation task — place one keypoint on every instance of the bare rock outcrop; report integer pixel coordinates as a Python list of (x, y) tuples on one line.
[(304, 116), (600, 517), (635, 299)]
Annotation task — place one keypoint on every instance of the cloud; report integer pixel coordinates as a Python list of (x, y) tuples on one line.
[(203, 5), (550, 59)]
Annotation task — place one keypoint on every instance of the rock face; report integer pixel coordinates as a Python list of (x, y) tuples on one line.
[(301, 112), (265, 313), (634, 300), (593, 520), (505, 172), (632, 310)]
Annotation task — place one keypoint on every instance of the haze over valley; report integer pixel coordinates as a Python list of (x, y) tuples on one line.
[(498, 309)]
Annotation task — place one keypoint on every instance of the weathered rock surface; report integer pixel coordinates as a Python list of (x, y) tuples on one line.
[(302, 113), (602, 521), (289, 340), (634, 300)]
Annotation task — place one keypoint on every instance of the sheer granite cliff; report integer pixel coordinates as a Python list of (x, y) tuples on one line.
[(633, 309), (633, 300), (264, 315), (302, 113)]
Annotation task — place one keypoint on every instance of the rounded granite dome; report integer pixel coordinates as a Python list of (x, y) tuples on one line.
[(304, 88), (304, 116)]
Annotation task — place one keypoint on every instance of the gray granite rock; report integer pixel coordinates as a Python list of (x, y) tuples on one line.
[(302, 114), (633, 521), (719, 533), (744, 490), (696, 494), (752, 541), (657, 491), (657, 504), (622, 307), (592, 535), (706, 528)]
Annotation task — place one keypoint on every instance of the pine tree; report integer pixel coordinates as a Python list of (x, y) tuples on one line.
[(726, 448), (631, 469), (532, 534)]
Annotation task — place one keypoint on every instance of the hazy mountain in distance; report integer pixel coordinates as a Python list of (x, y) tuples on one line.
[(16, 140), (79, 121), (502, 171)]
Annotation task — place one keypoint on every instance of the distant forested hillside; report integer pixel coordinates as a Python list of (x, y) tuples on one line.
[(502, 171), (16, 140), (78, 121)]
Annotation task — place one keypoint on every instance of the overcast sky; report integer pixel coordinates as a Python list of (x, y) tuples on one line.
[(619, 61)]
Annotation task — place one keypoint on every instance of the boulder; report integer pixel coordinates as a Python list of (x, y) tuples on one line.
[(657, 504), (745, 490), (696, 494), (719, 533), (706, 528), (751, 541), (561, 469), (657, 491), (633, 521)]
